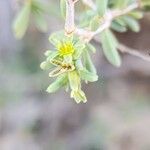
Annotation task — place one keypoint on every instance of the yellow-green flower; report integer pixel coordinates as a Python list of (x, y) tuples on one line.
[(66, 48)]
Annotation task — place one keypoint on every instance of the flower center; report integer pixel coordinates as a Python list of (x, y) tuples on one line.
[(66, 48)]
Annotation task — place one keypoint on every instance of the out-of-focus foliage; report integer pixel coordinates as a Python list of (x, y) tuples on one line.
[(35, 9)]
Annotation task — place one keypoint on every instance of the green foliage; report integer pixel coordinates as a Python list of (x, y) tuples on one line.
[(63, 8), (57, 84), (35, 8), (71, 61), (109, 45), (102, 6), (21, 22)]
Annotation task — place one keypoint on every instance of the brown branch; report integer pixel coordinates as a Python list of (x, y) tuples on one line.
[(107, 19), (124, 49), (69, 23)]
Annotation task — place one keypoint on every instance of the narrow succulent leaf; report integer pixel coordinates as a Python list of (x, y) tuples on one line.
[(136, 14), (117, 27), (113, 38), (101, 6), (52, 55), (40, 22), (121, 3), (39, 6), (74, 80), (57, 37), (78, 50), (91, 47), (46, 65), (48, 52), (88, 76), (94, 23), (57, 84), (145, 3), (78, 64), (88, 62), (109, 45), (79, 96), (21, 21), (132, 23), (63, 8)]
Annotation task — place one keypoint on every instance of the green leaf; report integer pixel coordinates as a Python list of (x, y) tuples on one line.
[(88, 76), (121, 3), (109, 45), (48, 52), (57, 84), (136, 14), (52, 55), (21, 21), (117, 27), (79, 96), (63, 8), (85, 17), (79, 47), (39, 6), (91, 47), (131, 23), (74, 80), (78, 64), (94, 23), (46, 65), (57, 37), (101, 6), (145, 3), (40, 23), (88, 62)]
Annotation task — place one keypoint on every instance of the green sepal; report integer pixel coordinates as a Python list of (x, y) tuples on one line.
[(79, 47), (52, 55), (88, 62), (57, 84), (79, 96), (88, 76), (57, 37), (74, 80), (45, 65), (78, 64)]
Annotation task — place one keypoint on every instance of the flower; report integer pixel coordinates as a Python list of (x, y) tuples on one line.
[(66, 48), (70, 64)]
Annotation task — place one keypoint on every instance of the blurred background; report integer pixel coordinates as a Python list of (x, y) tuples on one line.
[(116, 116)]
